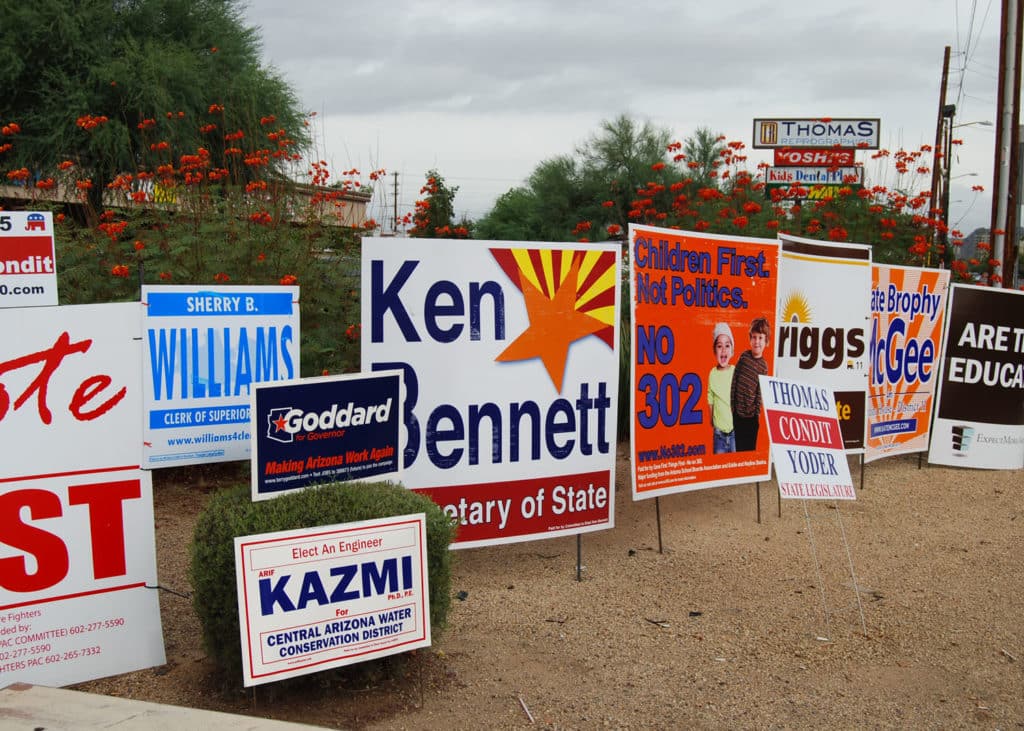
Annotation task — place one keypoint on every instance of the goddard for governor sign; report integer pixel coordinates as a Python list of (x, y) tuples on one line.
[(820, 132), (330, 429), (509, 356), (77, 553), (203, 349)]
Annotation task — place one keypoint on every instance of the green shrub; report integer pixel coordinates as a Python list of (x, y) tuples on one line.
[(232, 513)]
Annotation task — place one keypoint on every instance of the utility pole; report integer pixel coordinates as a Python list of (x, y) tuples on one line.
[(939, 121), (939, 199), (1004, 200), (394, 226)]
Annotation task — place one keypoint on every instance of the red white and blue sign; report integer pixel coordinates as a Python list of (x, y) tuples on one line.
[(319, 430)]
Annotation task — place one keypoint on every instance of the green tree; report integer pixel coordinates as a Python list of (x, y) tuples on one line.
[(626, 156), (102, 83), (703, 151), (434, 217), (578, 196)]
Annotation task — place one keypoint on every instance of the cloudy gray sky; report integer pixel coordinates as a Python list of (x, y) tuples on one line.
[(484, 91)]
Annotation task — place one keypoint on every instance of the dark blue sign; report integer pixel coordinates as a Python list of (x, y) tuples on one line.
[(320, 430)]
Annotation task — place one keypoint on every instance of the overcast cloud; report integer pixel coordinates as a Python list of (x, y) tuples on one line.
[(485, 91)]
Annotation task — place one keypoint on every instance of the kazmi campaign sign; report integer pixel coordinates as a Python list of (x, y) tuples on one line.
[(28, 273), (78, 596), (203, 348), (807, 446), (908, 307), (979, 418), (319, 598), (824, 316), (509, 354), (703, 316), (330, 429)]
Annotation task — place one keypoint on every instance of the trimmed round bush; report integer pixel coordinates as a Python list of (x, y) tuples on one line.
[(231, 513)]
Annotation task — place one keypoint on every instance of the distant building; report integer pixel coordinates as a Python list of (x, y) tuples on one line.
[(969, 249)]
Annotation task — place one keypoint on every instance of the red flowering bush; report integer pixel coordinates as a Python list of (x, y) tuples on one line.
[(220, 214)]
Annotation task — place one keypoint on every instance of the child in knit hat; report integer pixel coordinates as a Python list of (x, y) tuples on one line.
[(719, 389)]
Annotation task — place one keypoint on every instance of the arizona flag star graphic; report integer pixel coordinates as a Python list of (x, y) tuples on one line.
[(556, 320)]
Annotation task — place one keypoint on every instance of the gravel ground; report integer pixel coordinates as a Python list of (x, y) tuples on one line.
[(734, 623)]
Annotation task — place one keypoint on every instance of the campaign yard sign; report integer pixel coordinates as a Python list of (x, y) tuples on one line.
[(908, 306), (77, 546), (824, 316), (203, 348), (807, 445), (28, 271), (703, 314), (509, 354), (330, 429), (320, 598), (979, 418)]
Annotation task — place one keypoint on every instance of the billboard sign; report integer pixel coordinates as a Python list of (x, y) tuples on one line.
[(203, 348), (820, 132), (788, 156), (78, 596), (979, 418), (807, 176), (703, 311), (28, 271), (509, 354), (330, 429), (319, 598)]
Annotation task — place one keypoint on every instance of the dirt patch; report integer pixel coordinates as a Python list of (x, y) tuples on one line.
[(725, 627)]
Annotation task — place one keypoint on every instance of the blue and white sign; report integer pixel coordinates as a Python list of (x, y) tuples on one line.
[(203, 350), (331, 429)]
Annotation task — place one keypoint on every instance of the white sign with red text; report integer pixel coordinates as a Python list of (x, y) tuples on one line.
[(77, 549), (28, 273), (807, 445), (319, 598)]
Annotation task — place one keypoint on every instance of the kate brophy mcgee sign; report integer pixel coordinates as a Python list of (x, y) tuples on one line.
[(908, 306), (509, 354)]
